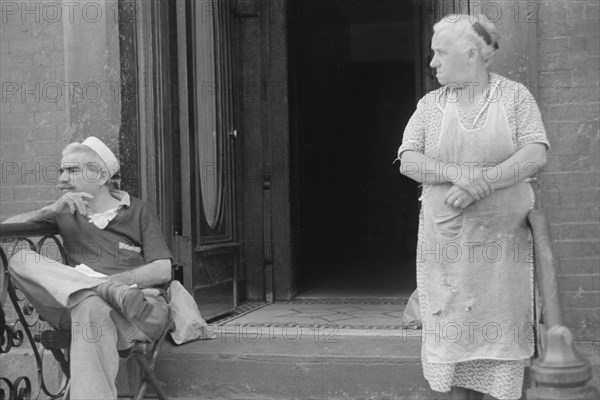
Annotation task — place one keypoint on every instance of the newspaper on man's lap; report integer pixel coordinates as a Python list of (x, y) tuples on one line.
[(87, 271)]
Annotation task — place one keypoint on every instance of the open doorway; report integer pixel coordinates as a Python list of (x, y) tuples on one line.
[(353, 88)]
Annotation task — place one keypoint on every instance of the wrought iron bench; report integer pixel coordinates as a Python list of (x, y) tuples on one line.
[(56, 341)]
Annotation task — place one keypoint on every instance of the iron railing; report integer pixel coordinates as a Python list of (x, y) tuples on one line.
[(20, 324)]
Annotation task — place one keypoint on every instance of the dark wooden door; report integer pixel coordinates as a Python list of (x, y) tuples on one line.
[(208, 246)]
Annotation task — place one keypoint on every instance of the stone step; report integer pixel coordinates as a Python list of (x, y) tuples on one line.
[(280, 365), (235, 367)]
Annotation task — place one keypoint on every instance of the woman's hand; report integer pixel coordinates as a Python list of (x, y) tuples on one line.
[(472, 181), (458, 198)]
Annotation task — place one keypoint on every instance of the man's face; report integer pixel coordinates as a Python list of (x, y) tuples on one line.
[(78, 174)]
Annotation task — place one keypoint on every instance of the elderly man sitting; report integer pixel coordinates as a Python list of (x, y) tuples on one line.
[(116, 240)]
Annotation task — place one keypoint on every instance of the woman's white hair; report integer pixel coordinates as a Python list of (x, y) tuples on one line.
[(471, 30)]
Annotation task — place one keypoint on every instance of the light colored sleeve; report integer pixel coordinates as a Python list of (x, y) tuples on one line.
[(529, 124), (414, 133)]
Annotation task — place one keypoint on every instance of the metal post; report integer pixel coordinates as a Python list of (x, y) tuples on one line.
[(561, 373)]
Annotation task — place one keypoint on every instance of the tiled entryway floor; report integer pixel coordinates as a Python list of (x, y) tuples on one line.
[(363, 299), (328, 316)]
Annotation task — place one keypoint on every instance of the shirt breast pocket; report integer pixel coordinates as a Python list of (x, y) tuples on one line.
[(130, 255)]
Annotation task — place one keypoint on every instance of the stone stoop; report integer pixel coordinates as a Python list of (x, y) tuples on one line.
[(355, 367), (273, 367), (338, 349)]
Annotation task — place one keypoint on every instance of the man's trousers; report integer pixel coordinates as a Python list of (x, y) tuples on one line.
[(66, 299)]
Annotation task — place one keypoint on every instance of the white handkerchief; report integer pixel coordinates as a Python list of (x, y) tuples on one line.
[(101, 220)]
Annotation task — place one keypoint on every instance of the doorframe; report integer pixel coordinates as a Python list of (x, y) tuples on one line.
[(185, 238), (264, 151), (156, 176), (278, 244)]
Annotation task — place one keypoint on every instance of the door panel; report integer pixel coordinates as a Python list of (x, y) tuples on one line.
[(209, 244)]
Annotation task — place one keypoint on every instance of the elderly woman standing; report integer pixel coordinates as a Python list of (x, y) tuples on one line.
[(472, 144)]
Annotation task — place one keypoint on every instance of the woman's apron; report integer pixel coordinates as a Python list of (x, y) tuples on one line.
[(477, 260)]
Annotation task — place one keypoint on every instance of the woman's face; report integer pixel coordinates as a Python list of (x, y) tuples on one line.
[(450, 62)]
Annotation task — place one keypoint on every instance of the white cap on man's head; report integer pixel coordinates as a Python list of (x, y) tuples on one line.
[(109, 158)]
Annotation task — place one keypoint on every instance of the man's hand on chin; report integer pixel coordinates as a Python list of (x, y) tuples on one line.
[(71, 202)]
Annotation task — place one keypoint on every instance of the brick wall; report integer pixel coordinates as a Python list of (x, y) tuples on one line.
[(569, 62), (51, 97), (32, 112)]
